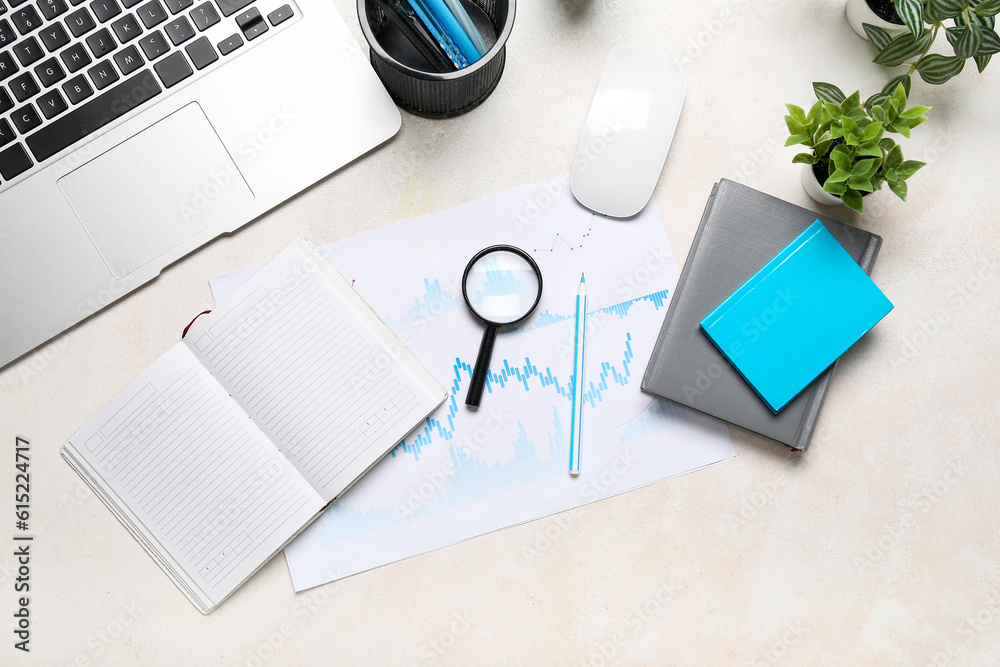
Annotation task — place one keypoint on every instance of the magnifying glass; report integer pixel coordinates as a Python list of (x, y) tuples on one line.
[(501, 285)]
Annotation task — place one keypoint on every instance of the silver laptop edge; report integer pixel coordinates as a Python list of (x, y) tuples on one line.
[(279, 117)]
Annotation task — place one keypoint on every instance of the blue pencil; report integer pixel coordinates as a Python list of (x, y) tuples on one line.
[(576, 427)]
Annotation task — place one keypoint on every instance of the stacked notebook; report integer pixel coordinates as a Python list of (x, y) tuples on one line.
[(240, 435), (741, 231)]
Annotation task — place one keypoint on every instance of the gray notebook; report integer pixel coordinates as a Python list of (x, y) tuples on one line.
[(741, 230)]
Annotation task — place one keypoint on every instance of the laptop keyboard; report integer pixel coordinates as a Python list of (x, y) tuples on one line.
[(70, 67)]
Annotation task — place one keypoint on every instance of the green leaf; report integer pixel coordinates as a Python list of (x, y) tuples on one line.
[(901, 129), (852, 102), (966, 40), (877, 36), (982, 62), (828, 92), (853, 200), (835, 188), (945, 8), (872, 133), (841, 158), (839, 176), (912, 13), (991, 43), (873, 103), (862, 167), (849, 126), (860, 183), (796, 139), (805, 158), (890, 87), (915, 112), (899, 188), (886, 144), (890, 175), (797, 113), (909, 168), (903, 48), (894, 157), (988, 8), (869, 150), (935, 69)]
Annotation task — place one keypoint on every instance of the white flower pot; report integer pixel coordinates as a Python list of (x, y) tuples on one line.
[(859, 12), (814, 189)]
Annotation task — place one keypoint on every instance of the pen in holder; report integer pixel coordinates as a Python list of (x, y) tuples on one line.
[(413, 82)]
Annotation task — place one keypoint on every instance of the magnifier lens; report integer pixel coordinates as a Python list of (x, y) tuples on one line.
[(502, 287)]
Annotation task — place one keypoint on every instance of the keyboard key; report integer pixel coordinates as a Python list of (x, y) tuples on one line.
[(3, 8), (49, 72), (103, 74), (230, 7), (255, 30), (80, 22), (129, 4), (201, 53), (95, 114), (6, 103), (26, 119), (75, 57), (77, 89), (14, 162), (252, 15), (24, 87), (28, 51), (128, 60), (152, 14), (105, 10), (173, 69), (52, 103), (280, 15), (54, 37), (75, 2), (52, 8), (101, 43), (7, 66), (126, 28), (227, 46), (6, 133), (178, 6), (154, 45), (26, 19), (179, 30), (7, 34), (204, 16)]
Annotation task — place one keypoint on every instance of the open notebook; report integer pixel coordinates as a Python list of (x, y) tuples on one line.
[(240, 435)]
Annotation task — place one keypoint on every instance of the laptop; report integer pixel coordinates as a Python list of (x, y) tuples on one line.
[(134, 131)]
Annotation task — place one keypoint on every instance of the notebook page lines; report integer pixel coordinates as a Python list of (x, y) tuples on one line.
[(198, 473), (308, 374)]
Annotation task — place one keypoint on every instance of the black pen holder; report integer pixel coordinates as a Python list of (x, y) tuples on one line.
[(407, 75)]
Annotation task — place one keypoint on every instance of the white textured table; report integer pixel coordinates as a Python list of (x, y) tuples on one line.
[(880, 545)]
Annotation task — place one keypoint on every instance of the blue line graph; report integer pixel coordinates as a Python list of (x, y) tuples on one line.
[(434, 302), (547, 317), (526, 375)]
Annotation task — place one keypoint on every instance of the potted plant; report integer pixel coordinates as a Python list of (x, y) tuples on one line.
[(851, 156), (879, 13), (972, 35)]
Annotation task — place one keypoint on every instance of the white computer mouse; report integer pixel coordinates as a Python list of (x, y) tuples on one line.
[(628, 133)]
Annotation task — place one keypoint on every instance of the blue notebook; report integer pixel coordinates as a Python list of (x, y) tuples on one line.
[(796, 316)]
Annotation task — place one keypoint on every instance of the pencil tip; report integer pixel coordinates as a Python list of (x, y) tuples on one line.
[(582, 278)]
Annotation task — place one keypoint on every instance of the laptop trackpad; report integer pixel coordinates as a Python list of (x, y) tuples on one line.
[(156, 190)]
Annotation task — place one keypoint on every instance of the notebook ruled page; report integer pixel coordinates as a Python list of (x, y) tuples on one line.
[(295, 345), (181, 458)]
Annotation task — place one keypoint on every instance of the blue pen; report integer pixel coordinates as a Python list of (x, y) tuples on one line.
[(454, 30), (429, 19), (576, 427)]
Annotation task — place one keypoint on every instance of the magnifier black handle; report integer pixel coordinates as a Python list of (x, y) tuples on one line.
[(482, 368)]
